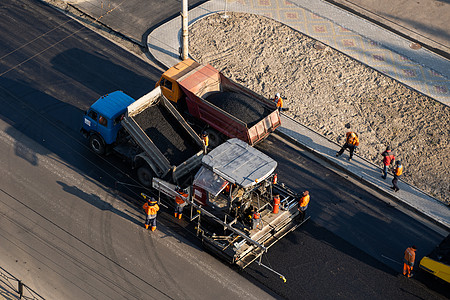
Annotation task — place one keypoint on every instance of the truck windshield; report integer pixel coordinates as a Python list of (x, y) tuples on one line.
[(93, 115)]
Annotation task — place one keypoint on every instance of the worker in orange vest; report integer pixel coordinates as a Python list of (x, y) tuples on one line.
[(205, 139), (278, 101), (398, 171), (351, 143), (151, 208), (408, 261), (303, 204), (256, 219), (180, 202)]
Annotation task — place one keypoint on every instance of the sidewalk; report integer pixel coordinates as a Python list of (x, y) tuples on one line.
[(372, 45)]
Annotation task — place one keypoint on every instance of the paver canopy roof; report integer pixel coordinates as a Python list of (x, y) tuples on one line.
[(239, 163)]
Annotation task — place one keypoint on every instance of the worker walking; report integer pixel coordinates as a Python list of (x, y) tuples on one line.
[(408, 261), (398, 171), (151, 208), (388, 158), (180, 203), (351, 143), (278, 101), (303, 204)]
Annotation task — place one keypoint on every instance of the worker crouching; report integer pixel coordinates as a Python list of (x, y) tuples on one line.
[(179, 202), (351, 143), (151, 208)]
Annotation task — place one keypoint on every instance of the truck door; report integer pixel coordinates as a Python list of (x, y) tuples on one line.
[(90, 120), (104, 130), (168, 89)]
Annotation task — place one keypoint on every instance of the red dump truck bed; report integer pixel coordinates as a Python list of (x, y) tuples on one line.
[(223, 104)]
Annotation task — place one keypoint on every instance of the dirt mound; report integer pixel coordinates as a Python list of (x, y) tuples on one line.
[(325, 89)]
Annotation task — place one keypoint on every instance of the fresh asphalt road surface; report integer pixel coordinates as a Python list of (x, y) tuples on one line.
[(68, 235), (352, 245)]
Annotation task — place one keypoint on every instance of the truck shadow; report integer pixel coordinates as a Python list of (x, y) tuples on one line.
[(44, 108)]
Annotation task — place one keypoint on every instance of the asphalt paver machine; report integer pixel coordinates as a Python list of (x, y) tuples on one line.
[(235, 185)]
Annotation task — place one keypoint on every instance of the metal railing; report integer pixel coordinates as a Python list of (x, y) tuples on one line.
[(15, 287)]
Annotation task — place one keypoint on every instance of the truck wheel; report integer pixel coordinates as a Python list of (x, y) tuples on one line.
[(215, 138), (97, 144), (145, 176)]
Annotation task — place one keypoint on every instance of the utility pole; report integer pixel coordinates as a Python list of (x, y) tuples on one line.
[(185, 32)]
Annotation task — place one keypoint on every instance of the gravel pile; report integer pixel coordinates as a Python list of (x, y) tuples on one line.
[(326, 89), (166, 133), (241, 106)]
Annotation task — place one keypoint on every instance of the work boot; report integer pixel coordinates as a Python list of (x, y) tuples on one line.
[(146, 226), (179, 216), (153, 228)]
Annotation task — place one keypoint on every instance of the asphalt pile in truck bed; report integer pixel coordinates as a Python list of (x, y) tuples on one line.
[(167, 134), (243, 107)]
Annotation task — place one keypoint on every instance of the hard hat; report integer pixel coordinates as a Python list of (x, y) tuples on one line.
[(152, 201), (277, 95), (305, 193), (398, 162), (204, 133)]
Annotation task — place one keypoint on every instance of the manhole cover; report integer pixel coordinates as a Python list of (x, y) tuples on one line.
[(319, 46), (415, 46)]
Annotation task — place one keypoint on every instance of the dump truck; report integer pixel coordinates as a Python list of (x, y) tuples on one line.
[(235, 182), (437, 262), (149, 133), (223, 107)]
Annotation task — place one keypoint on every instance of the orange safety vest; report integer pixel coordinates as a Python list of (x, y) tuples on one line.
[(256, 215), (352, 139), (304, 201), (275, 179), (206, 140), (279, 102), (410, 256), (180, 200), (399, 170), (150, 209)]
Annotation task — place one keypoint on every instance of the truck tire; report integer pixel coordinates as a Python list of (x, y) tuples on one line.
[(215, 138), (97, 144), (145, 176)]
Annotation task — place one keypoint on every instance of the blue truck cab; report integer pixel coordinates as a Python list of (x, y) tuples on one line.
[(102, 121)]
